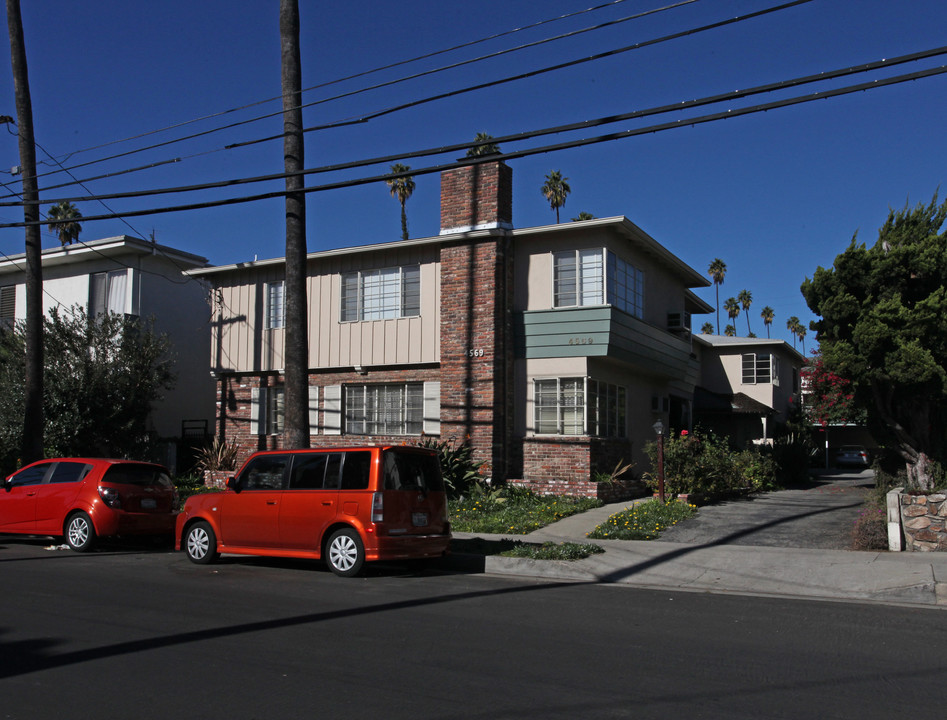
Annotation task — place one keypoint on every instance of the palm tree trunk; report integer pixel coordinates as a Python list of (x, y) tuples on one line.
[(296, 351), (404, 222), (32, 441)]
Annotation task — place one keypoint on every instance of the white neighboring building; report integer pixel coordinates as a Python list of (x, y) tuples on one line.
[(135, 277)]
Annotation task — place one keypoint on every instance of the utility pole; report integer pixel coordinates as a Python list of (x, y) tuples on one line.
[(32, 444), (296, 349)]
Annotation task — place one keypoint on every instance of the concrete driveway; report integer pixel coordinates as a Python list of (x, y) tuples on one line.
[(819, 515)]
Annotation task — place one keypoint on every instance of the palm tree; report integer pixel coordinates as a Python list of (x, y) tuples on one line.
[(767, 315), (801, 333), (488, 148), (583, 216), (733, 309), (730, 331), (746, 299), (707, 329), (555, 190), (792, 325), (64, 220), (401, 188), (717, 270)]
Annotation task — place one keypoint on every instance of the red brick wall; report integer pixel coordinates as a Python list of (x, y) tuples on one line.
[(477, 195)]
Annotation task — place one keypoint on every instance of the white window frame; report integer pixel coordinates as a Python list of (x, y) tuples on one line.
[(579, 406), (596, 276), (274, 305), (384, 409), (110, 292), (755, 372), (382, 294), (7, 307)]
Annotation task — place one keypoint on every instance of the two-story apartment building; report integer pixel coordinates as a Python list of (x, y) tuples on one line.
[(551, 350), (746, 385), (130, 276)]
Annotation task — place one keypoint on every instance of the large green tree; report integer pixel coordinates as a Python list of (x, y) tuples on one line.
[(883, 325), (102, 377)]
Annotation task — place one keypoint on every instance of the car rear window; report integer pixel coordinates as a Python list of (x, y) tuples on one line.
[(137, 475), (412, 471)]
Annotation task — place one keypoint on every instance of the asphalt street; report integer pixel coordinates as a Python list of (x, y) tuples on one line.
[(130, 632)]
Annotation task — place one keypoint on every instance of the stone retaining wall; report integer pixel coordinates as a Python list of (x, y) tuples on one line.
[(917, 522)]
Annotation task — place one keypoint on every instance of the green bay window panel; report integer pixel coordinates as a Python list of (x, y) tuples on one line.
[(381, 294)]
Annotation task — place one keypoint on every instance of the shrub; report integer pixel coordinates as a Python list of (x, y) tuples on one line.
[(457, 465), (706, 464), (870, 531), (218, 455)]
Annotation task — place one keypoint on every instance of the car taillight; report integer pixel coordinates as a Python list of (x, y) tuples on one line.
[(110, 497), (378, 507)]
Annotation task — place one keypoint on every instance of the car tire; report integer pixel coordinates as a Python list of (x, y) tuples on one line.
[(200, 543), (80, 532), (345, 553)]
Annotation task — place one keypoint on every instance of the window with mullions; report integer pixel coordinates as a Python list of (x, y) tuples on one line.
[(625, 286), (275, 409), (593, 277), (578, 278), (760, 368), (275, 314), (579, 406), (7, 307), (384, 409), (109, 292), (381, 294)]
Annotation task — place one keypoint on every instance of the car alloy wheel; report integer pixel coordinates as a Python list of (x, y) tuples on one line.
[(345, 552), (200, 544), (80, 533)]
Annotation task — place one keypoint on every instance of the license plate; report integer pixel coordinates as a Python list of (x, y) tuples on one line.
[(148, 504), (419, 519)]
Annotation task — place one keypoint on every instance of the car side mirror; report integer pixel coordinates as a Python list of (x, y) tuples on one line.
[(232, 484), (8, 484)]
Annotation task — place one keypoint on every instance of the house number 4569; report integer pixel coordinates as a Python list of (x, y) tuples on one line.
[(475, 352)]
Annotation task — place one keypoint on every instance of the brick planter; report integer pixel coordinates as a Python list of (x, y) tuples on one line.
[(217, 478), (917, 522)]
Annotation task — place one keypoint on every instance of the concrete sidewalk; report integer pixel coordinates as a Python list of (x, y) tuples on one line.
[(897, 578)]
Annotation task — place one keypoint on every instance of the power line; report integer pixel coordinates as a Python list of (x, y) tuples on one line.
[(518, 137), (369, 88), (473, 88), (688, 122)]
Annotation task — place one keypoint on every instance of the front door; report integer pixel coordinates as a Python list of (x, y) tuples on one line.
[(249, 517)]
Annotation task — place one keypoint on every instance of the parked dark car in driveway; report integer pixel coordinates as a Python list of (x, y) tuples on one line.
[(851, 456), (82, 499)]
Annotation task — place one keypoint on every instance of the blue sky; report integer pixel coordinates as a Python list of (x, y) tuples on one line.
[(773, 194)]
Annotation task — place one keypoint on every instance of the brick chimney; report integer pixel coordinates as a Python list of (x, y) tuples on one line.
[(477, 197)]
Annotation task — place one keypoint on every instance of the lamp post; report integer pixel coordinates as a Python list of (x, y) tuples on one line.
[(659, 431)]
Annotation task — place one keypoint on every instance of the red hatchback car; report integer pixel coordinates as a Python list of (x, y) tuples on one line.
[(345, 505), (82, 499)]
